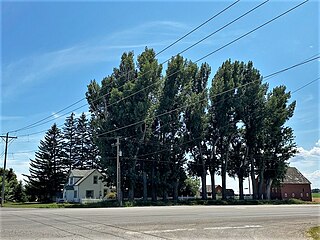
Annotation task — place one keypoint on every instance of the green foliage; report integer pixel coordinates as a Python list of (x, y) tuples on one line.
[(191, 187), (111, 195), (14, 191), (235, 127), (47, 170)]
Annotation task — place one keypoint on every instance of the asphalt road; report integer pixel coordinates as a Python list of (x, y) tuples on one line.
[(178, 222)]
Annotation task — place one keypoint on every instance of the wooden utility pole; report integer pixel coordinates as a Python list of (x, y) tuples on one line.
[(7, 137), (119, 197)]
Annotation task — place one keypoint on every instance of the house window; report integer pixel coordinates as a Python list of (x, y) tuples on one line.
[(293, 194), (301, 194), (75, 194), (89, 194), (95, 179), (307, 194), (71, 181), (285, 195)]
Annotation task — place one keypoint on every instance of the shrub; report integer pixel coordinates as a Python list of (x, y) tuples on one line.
[(111, 195)]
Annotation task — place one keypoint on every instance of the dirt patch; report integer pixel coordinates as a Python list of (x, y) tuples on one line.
[(316, 200)]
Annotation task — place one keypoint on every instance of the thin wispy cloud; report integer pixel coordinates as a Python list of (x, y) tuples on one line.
[(36, 68), (307, 161), (55, 115), (10, 118)]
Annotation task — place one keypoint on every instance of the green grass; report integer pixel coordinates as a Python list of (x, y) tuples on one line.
[(316, 195), (314, 233), (37, 205), (137, 203)]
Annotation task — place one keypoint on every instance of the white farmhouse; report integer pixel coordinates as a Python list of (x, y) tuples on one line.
[(84, 184)]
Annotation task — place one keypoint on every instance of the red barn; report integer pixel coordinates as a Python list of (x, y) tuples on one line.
[(294, 185)]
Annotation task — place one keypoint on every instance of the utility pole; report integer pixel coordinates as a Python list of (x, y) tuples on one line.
[(119, 197), (7, 137)]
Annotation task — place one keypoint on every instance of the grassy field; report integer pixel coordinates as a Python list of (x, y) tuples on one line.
[(315, 195), (38, 205), (138, 203), (314, 233)]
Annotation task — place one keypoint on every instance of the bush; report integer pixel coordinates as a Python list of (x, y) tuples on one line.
[(111, 195)]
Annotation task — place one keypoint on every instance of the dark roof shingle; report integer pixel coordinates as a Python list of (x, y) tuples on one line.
[(293, 176)]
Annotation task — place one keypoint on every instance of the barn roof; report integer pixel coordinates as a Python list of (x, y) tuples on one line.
[(294, 176)]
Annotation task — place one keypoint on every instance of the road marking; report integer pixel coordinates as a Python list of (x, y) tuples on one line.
[(236, 227), (171, 230), (192, 229)]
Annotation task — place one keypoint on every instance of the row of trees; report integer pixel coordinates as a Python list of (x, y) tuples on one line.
[(59, 152), (173, 122)]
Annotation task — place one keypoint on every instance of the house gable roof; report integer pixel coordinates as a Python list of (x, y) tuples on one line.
[(294, 176), (81, 174)]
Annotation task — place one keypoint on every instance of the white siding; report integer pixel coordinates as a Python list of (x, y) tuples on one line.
[(68, 195), (87, 184)]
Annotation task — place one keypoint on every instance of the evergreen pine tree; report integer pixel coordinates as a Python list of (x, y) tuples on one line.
[(47, 173), (69, 141), (87, 155)]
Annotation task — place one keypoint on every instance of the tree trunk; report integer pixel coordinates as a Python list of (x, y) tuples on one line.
[(223, 181), (153, 185), (175, 190), (145, 190), (268, 188), (203, 175), (213, 186), (204, 186), (240, 177), (260, 184), (165, 194), (253, 180), (131, 184)]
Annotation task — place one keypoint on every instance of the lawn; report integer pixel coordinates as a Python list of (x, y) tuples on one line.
[(37, 205), (137, 203)]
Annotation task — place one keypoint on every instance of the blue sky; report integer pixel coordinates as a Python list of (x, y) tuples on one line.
[(51, 50)]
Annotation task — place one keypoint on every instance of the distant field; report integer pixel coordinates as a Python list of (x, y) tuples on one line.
[(315, 195)]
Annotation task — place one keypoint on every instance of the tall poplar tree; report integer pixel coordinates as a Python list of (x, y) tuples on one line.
[(196, 123), (172, 130), (222, 98), (279, 145)]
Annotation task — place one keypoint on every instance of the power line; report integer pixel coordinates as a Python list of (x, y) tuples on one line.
[(195, 139), (237, 39), (175, 42), (305, 85), (310, 59), (193, 45), (255, 29), (193, 30), (171, 144), (30, 125), (226, 91)]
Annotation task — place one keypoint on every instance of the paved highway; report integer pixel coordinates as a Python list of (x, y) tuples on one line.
[(177, 222)]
